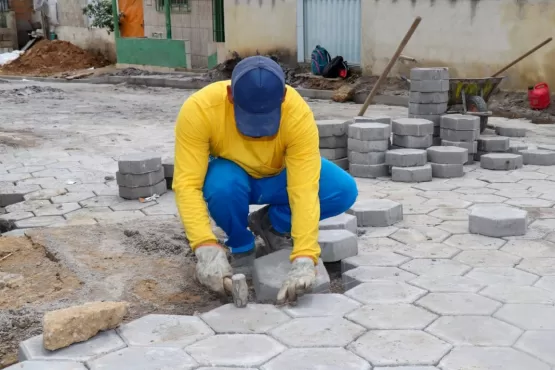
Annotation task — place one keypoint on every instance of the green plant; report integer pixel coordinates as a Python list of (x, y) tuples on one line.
[(101, 13)]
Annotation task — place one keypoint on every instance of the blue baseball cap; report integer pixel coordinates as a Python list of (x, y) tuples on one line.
[(258, 86)]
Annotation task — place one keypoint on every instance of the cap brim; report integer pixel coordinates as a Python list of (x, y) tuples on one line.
[(257, 124)]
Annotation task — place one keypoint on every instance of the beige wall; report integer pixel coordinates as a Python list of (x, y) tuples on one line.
[(195, 26), (74, 28), (263, 25), (474, 38), (8, 35)]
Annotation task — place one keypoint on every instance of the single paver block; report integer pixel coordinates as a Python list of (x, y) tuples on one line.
[(519, 294), (428, 98), (391, 317), (337, 245), (252, 319), (367, 158), (400, 347), (144, 357), (491, 144), (319, 305), (460, 122), (502, 275), (470, 146), (365, 274), (372, 118), (47, 365), (367, 146), (56, 209), (466, 358), (134, 181), (342, 163), (447, 171), (510, 131), (164, 331), (102, 343), (270, 272), (474, 331), (516, 148), (412, 174), (317, 332), (459, 304), (334, 153), (538, 157), (540, 344), (435, 267), (377, 212), (415, 142), (412, 127), (385, 292), (144, 191), (417, 249), (487, 258), (168, 165), (501, 161), (447, 154), (448, 284), (433, 73), (370, 171), (332, 127), (42, 221), (343, 221), (429, 85), (405, 157), (467, 241), (456, 135), (432, 108), (498, 221), (138, 163), (331, 142), (371, 131), (382, 258), (317, 358), (528, 316), (237, 350)]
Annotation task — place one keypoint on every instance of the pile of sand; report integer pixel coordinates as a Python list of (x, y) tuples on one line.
[(50, 57)]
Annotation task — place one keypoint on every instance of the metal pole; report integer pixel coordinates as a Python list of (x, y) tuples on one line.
[(167, 11), (115, 16)]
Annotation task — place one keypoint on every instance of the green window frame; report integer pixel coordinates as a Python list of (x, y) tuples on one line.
[(176, 6), (218, 20)]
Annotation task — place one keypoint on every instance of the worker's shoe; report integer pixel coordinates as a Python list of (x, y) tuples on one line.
[(242, 263), (260, 225)]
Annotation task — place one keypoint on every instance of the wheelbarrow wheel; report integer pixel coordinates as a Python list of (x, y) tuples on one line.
[(478, 104)]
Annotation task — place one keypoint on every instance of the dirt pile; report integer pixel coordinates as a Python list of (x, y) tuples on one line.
[(51, 57)]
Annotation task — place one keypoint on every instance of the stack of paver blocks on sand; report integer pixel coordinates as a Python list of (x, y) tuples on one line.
[(333, 141), (140, 175), (429, 94), (462, 131), (368, 141), (412, 133)]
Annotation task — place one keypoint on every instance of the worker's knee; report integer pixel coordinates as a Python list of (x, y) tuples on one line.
[(340, 186), (348, 190), (225, 181)]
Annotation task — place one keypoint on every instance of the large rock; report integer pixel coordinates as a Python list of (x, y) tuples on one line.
[(64, 327)]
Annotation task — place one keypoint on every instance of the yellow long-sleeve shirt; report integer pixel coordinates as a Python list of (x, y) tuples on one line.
[(206, 125)]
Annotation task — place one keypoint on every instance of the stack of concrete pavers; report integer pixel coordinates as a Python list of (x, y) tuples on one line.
[(140, 175), (408, 165), (429, 94), (270, 271), (333, 141), (491, 144), (376, 212), (367, 143), (412, 133), (538, 157), (498, 221), (167, 163), (462, 131), (338, 238), (447, 161)]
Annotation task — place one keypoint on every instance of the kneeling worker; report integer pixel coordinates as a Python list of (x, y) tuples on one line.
[(264, 142)]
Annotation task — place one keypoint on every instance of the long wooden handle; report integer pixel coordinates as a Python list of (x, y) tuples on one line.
[(521, 57), (387, 69)]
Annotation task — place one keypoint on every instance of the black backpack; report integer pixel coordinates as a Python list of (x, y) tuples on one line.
[(337, 67)]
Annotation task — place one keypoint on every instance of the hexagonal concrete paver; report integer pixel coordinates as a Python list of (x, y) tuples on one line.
[(56, 209), (27, 205), (386, 316), (530, 248), (102, 343), (547, 283), (529, 202), (317, 332), (474, 331), (73, 197), (407, 368), (366, 274), (428, 250), (254, 318), (101, 201), (317, 358), (449, 202), (434, 185), (458, 304), (418, 220), (474, 241), (483, 198), (144, 357), (377, 258), (502, 275), (42, 221), (447, 284), (400, 347), (164, 331), (320, 305), (47, 365), (519, 294), (538, 266), (454, 227), (237, 350), (450, 214), (487, 258), (382, 291), (465, 358), (419, 235), (435, 267), (528, 316), (540, 344)]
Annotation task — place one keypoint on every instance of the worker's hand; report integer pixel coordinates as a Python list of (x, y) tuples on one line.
[(300, 280), (212, 267)]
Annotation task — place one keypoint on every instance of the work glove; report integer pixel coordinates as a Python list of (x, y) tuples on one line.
[(300, 279), (212, 267)]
